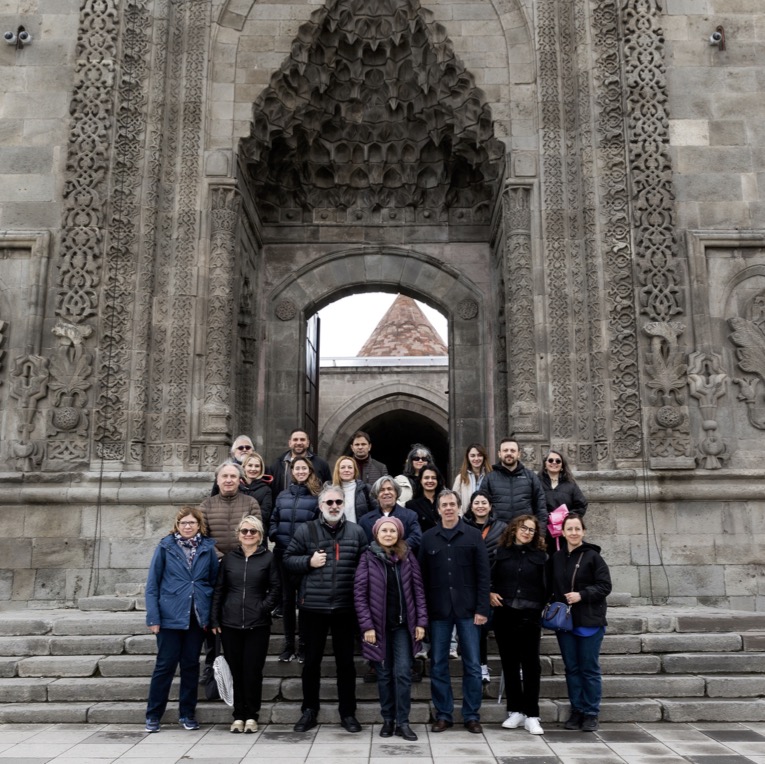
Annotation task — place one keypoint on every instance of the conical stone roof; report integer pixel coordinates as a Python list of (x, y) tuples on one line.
[(404, 331)]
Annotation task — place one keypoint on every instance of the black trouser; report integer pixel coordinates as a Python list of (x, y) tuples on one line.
[(518, 634), (245, 651), (290, 584), (315, 627)]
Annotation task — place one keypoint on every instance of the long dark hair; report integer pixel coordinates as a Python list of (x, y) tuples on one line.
[(565, 472), (429, 466), (313, 484)]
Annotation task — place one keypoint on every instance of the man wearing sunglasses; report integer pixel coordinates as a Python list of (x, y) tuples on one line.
[(326, 553), (515, 489)]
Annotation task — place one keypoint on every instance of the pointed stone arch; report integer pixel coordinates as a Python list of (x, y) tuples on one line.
[(367, 269)]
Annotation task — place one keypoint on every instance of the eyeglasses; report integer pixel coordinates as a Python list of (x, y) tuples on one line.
[(555, 461), (244, 448), (419, 458), (188, 522), (526, 529), (248, 531), (333, 502)]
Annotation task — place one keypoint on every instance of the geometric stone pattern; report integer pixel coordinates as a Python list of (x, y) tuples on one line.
[(373, 112)]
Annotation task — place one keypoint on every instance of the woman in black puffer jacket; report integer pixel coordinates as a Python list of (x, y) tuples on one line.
[(257, 484), (581, 579), (294, 506), (518, 594), (246, 591)]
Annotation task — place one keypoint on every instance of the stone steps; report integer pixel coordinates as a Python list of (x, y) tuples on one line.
[(675, 665)]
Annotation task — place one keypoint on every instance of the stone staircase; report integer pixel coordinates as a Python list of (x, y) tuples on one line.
[(670, 664)]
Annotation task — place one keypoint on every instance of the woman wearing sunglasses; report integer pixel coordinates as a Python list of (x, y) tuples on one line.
[(246, 592), (560, 489)]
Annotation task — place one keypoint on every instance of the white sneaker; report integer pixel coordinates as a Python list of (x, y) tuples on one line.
[(251, 726), (237, 726), (485, 674), (533, 726), (453, 654), (514, 719)]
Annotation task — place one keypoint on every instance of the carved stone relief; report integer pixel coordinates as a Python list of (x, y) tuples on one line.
[(653, 225), (749, 338), (29, 384), (708, 383), (3, 330), (373, 113)]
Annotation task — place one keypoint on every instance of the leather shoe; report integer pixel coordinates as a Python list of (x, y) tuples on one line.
[(440, 725), (405, 731), (307, 721), (387, 729), (474, 726), (350, 723)]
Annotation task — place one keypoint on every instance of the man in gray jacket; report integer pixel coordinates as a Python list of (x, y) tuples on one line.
[(326, 553)]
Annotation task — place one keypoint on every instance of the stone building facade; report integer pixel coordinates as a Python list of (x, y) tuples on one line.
[(578, 185)]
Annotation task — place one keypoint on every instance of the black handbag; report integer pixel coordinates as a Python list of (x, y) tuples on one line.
[(557, 615)]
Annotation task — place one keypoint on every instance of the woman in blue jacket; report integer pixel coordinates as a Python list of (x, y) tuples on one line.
[(178, 598)]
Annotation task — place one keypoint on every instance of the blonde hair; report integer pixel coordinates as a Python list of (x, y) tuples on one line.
[(250, 520), (336, 472), (254, 455)]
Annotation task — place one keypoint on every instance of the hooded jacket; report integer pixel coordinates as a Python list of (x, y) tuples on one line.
[(592, 581), (173, 588), (260, 490), (371, 592), (246, 591)]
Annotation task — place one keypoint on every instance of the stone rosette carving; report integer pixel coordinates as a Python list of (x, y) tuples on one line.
[(708, 383), (467, 310), (70, 371), (285, 310), (373, 112)]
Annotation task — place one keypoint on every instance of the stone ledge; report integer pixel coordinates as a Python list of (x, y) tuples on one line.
[(48, 713), (709, 710)]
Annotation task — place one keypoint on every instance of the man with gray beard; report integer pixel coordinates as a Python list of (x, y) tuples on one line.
[(326, 553)]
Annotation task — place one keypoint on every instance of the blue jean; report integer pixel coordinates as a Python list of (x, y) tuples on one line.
[(583, 680), (440, 682), (394, 676), (176, 646)]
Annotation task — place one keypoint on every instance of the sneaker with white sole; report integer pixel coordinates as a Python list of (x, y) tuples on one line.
[(188, 723), (152, 725), (514, 720), (237, 726), (533, 726), (251, 726), (485, 674)]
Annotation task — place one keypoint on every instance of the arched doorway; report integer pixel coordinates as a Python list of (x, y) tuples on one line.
[(468, 398)]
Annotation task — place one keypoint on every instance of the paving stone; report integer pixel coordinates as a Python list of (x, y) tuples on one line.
[(18, 690), (45, 713), (96, 645), (51, 666), (747, 710), (684, 643), (20, 646), (699, 663), (735, 686)]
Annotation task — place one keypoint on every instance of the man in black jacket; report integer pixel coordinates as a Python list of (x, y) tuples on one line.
[(455, 571), (515, 489), (326, 553), (370, 470), (299, 445)]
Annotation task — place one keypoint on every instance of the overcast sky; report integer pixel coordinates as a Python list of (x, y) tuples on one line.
[(347, 323)]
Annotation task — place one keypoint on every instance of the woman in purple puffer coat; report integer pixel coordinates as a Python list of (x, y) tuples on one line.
[(390, 607)]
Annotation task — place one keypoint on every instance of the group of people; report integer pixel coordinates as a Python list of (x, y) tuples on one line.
[(403, 565)]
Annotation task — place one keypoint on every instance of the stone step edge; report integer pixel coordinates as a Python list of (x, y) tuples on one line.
[(622, 710)]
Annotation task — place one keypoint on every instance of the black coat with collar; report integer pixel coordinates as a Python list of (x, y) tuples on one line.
[(455, 571), (592, 580)]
